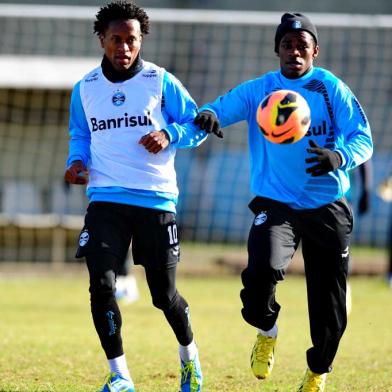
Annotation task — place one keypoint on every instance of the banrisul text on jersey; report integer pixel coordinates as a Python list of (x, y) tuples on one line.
[(128, 121)]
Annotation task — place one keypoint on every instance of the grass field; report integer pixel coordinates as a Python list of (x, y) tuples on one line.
[(48, 342)]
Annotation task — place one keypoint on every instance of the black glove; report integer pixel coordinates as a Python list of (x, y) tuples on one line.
[(364, 202), (207, 121), (326, 160)]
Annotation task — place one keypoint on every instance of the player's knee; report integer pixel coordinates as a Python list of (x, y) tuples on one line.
[(261, 275), (103, 286), (164, 301)]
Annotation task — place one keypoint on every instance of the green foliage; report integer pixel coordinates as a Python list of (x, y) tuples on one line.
[(48, 342)]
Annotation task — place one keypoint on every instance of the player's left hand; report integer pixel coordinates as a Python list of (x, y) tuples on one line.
[(326, 160), (155, 141)]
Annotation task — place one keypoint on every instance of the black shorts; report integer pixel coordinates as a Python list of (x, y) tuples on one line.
[(111, 227), (277, 230)]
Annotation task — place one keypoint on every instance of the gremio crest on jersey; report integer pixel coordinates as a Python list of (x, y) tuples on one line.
[(118, 98)]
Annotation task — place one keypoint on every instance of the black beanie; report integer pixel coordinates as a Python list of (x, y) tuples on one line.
[(293, 21)]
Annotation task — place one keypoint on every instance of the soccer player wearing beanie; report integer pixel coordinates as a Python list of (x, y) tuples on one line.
[(299, 190)]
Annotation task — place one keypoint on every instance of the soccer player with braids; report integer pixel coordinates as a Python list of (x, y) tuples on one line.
[(299, 192), (127, 118)]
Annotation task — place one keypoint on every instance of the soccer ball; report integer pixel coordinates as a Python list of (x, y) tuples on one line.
[(283, 117)]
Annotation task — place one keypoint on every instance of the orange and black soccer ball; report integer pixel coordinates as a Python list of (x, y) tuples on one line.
[(283, 117)]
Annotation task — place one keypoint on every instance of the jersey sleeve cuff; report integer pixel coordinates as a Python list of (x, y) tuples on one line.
[(172, 133), (207, 108), (74, 158), (343, 158)]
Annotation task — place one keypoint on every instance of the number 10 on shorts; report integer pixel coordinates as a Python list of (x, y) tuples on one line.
[(172, 230)]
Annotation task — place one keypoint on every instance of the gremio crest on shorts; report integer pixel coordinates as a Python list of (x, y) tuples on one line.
[(260, 219), (83, 238)]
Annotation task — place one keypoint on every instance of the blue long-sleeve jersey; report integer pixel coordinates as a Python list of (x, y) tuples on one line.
[(278, 171), (178, 111)]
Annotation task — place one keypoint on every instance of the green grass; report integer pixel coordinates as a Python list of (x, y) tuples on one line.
[(48, 343)]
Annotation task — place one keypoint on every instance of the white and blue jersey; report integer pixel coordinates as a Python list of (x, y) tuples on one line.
[(108, 119), (278, 171)]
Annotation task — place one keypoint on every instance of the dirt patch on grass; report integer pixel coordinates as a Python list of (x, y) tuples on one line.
[(195, 264), (369, 267)]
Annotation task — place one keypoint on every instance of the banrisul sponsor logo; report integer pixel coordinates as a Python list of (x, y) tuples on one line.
[(318, 130), (126, 121)]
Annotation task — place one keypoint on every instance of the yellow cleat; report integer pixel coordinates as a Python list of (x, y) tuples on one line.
[(262, 357), (313, 382)]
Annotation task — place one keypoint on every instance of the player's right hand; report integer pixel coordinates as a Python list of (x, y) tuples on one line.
[(76, 173), (208, 122)]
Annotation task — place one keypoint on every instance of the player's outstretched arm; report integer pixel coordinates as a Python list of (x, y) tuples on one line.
[(179, 112)]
